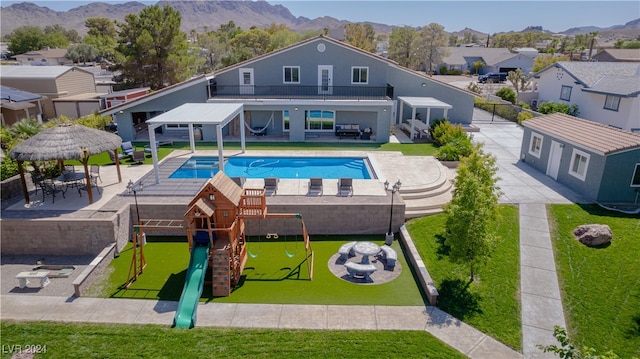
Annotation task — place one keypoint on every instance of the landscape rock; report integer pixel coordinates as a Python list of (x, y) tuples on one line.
[(593, 235)]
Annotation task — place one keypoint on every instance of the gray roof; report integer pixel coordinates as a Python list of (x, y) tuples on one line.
[(622, 54), (490, 55), (37, 72), (617, 78)]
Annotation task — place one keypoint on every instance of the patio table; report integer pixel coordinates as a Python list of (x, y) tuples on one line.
[(72, 179), (366, 249)]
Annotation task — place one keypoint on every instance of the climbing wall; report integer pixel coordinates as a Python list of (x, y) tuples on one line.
[(220, 272)]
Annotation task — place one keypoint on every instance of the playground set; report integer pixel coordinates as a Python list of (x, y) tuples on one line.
[(215, 228)]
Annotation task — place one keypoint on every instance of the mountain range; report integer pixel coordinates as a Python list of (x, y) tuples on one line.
[(201, 14)]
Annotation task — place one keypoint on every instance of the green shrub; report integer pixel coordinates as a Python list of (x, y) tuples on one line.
[(8, 167), (524, 105), (523, 116), (455, 149), (443, 70), (434, 123), (507, 94), (454, 72), (553, 107), (445, 132)]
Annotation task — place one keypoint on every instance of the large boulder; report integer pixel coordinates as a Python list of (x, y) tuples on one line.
[(593, 235)]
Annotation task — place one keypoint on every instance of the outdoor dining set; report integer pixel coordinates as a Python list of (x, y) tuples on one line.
[(68, 179)]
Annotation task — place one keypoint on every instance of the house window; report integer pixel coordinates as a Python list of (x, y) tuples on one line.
[(635, 180), (535, 146), (291, 74), (359, 75), (579, 164), (318, 120), (612, 103), (286, 121), (565, 93)]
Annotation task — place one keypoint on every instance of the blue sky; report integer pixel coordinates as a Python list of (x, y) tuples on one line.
[(484, 16)]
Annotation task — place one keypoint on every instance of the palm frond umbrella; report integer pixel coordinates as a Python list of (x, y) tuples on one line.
[(66, 142)]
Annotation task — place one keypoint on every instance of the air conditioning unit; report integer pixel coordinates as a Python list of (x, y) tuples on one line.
[(534, 104)]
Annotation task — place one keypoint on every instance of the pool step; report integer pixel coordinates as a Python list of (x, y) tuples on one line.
[(430, 199)]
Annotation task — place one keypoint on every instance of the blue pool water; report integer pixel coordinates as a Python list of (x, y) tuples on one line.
[(282, 167)]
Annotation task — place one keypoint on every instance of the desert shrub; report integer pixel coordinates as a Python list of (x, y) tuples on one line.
[(507, 94), (434, 123), (445, 132), (553, 107), (474, 87), (523, 116)]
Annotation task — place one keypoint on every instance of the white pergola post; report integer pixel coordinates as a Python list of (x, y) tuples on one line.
[(192, 138), (413, 117), (154, 151), (242, 132), (220, 144)]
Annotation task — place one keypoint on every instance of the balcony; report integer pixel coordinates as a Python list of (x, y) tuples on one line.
[(291, 92)]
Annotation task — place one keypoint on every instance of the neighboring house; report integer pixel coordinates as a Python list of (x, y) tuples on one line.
[(17, 105), (306, 90), (618, 55), (495, 59), (118, 97), (605, 92), (44, 57), (599, 162), (69, 91)]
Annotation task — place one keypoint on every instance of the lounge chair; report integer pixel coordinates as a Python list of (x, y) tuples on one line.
[(138, 156), (315, 185), (271, 184), (127, 148), (345, 186), (112, 156)]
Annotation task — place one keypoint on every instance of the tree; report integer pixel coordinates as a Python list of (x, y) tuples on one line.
[(592, 41), (152, 51), (542, 61), (472, 211), (363, 37), (249, 44), (430, 44), (25, 39), (519, 80), (569, 350), (81, 53), (477, 65), (100, 26), (400, 43)]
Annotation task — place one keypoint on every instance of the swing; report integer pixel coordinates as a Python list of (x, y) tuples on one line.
[(255, 255), (286, 249)]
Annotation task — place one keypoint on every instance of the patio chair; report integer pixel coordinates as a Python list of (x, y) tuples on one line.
[(69, 168), (94, 172), (315, 185), (345, 186), (47, 187), (112, 156), (271, 184), (138, 156), (127, 148)]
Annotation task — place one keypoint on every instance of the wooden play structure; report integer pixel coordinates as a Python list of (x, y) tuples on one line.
[(216, 218)]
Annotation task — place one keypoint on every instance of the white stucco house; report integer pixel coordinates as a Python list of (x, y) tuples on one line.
[(605, 92)]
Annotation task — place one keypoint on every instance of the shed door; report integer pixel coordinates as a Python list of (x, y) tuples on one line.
[(555, 154)]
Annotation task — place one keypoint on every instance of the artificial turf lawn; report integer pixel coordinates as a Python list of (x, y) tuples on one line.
[(272, 277), (492, 302), (82, 340), (600, 286)]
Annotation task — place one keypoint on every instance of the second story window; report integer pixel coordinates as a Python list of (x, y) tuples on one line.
[(359, 75), (612, 103), (565, 93), (291, 74)]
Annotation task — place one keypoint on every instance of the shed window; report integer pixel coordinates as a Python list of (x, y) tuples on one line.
[(535, 146), (579, 164), (565, 93), (635, 180), (612, 103)]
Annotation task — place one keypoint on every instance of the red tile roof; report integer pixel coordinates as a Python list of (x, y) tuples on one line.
[(587, 134)]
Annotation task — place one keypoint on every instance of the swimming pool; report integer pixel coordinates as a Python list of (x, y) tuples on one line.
[(282, 167)]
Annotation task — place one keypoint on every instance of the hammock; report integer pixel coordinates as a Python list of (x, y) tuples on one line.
[(262, 129)]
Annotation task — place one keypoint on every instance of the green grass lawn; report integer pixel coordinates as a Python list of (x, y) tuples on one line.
[(600, 286), (74, 340), (492, 302), (272, 277)]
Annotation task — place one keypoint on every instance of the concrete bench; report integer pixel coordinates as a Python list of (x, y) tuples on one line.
[(23, 278), (390, 255), (359, 269), (346, 250)]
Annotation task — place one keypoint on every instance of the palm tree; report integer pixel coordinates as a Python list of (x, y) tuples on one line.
[(592, 35)]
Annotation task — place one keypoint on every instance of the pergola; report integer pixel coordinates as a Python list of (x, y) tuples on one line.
[(422, 102), (218, 114), (66, 142)]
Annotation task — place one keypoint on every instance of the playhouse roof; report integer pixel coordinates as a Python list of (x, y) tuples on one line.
[(223, 184), (207, 208)]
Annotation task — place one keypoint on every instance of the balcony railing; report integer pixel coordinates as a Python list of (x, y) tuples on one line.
[(286, 92)]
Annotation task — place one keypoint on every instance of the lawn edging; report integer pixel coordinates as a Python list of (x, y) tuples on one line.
[(416, 261)]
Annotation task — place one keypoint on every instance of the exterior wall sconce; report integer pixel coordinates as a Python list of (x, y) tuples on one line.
[(424, 84)]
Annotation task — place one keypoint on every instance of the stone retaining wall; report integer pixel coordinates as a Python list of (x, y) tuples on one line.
[(421, 270)]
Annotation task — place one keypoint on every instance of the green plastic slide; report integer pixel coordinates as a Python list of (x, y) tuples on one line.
[(188, 305)]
